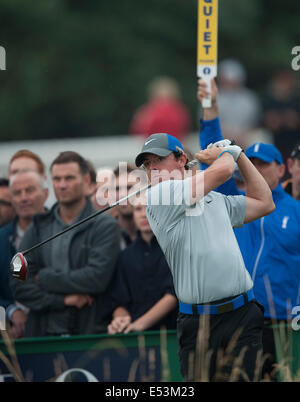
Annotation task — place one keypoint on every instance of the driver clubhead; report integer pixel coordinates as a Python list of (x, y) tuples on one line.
[(18, 267)]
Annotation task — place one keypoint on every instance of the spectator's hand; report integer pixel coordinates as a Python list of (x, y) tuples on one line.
[(18, 320), (209, 155), (203, 93), (136, 326), (78, 300), (119, 324)]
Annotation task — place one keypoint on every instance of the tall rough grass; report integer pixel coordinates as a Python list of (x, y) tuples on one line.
[(201, 359)]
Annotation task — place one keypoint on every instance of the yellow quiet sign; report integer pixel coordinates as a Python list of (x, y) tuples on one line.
[(207, 52)]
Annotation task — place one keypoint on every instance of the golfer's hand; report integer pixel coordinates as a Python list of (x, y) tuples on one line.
[(226, 145), (220, 144), (203, 93), (235, 150), (209, 155), (118, 324), (78, 300)]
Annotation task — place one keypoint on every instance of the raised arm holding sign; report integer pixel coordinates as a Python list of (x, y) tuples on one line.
[(207, 43)]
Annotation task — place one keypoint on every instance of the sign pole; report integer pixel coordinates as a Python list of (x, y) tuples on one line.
[(207, 42)]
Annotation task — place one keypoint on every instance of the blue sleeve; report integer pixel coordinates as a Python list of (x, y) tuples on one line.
[(211, 132)]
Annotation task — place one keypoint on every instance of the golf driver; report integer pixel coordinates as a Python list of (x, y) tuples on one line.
[(19, 265)]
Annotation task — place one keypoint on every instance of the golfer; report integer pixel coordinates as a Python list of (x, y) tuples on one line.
[(193, 225)]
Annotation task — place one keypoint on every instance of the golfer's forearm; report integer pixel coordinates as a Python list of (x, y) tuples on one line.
[(256, 186), (166, 304), (218, 173)]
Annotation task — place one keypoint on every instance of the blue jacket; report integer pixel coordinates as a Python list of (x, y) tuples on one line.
[(270, 245), (7, 252)]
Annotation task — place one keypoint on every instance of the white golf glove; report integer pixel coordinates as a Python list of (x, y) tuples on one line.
[(234, 149), (220, 144)]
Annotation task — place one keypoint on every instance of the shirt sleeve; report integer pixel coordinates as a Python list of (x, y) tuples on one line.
[(116, 294), (121, 293), (210, 133), (236, 207), (167, 285)]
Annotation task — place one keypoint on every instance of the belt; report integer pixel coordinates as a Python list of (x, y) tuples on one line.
[(233, 304)]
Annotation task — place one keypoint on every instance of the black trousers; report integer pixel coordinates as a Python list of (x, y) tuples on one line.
[(268, 371), (225, 347)]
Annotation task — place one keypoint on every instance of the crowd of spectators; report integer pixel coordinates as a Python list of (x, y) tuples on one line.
[(73, 278), (110, 275)]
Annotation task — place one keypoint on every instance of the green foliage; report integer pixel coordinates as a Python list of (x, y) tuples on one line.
[(81, 68)]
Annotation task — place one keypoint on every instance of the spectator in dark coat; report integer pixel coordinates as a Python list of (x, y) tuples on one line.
[(68, 276), (28, 195)]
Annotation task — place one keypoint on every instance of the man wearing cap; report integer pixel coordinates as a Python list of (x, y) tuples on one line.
[(193, 226), (292, 185), (270, 245)]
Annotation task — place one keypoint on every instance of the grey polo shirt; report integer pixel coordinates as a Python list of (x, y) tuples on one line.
[(198, 241)]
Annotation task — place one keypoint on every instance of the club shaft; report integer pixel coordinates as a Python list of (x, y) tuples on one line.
[(85, 220)]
